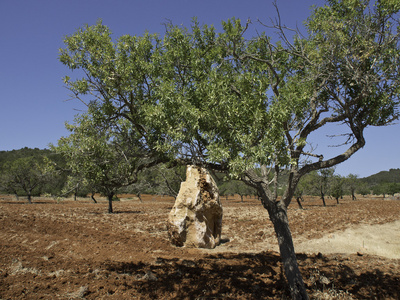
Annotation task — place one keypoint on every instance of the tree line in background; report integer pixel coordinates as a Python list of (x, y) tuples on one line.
[(33, 172)]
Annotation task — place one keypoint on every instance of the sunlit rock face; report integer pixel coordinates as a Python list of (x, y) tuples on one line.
[(196, 218)]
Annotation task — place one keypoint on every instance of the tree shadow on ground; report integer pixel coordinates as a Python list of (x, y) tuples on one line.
[(350, 273), (221, 276), (373, 284), (254, 276)]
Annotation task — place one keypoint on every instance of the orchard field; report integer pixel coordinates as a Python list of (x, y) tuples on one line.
[(76, 250)]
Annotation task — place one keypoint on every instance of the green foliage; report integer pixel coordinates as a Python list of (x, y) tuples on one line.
[(8, 156), (393, 188), (27, 174), (363, 189), (326, 176), (352, 184), (102, 159), (309, 185), (386, 188), (324, 182), (337, 187), (219, 99), (393, 175), (235, 187), (40, 160), (383, 182), (158, 180)]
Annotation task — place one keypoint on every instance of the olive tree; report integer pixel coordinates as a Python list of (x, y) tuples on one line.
[(325, 181), (158, 180), (232, 187), (100, 158), (337, 187), (28, 174), (352, 183), (249, 107), (261, 101)]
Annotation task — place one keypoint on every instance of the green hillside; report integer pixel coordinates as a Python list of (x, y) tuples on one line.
[(391, 176)]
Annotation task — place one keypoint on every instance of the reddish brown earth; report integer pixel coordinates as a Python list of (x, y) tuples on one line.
[(75, 250)]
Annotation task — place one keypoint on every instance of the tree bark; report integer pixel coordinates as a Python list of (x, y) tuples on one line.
[(323, 197), (92, 196), (110, 207), (278, 215), (299, 203), (277, 211), (139, 195), (29, 198)]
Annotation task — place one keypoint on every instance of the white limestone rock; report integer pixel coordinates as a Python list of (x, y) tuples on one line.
[(196, 218)]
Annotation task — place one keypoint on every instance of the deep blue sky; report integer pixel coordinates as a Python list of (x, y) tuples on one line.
[(33, 99)]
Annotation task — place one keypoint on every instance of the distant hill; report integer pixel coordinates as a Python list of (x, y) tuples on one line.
[(391, 176), (24, 152), (28, 152)]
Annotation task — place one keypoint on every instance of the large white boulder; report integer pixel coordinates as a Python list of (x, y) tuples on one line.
[(196, 218)]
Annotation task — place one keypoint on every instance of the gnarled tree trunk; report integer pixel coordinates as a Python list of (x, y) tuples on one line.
[(139, 195), (298, 199), (110, 206), (323, 196), (92, 197), (29, 197), (277, 212)]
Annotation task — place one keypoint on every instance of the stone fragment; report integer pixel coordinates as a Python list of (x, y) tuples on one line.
[(196, 218)]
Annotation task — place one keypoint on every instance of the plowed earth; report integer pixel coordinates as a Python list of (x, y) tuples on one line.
[(76, 250)]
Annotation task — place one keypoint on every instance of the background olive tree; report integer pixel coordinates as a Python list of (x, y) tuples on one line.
[(352, 184), (158, 180), (337, 189), (325, 182), (27, 174), (102, 158)]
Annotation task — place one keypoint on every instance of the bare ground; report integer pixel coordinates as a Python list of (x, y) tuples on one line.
[(75, 250)]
